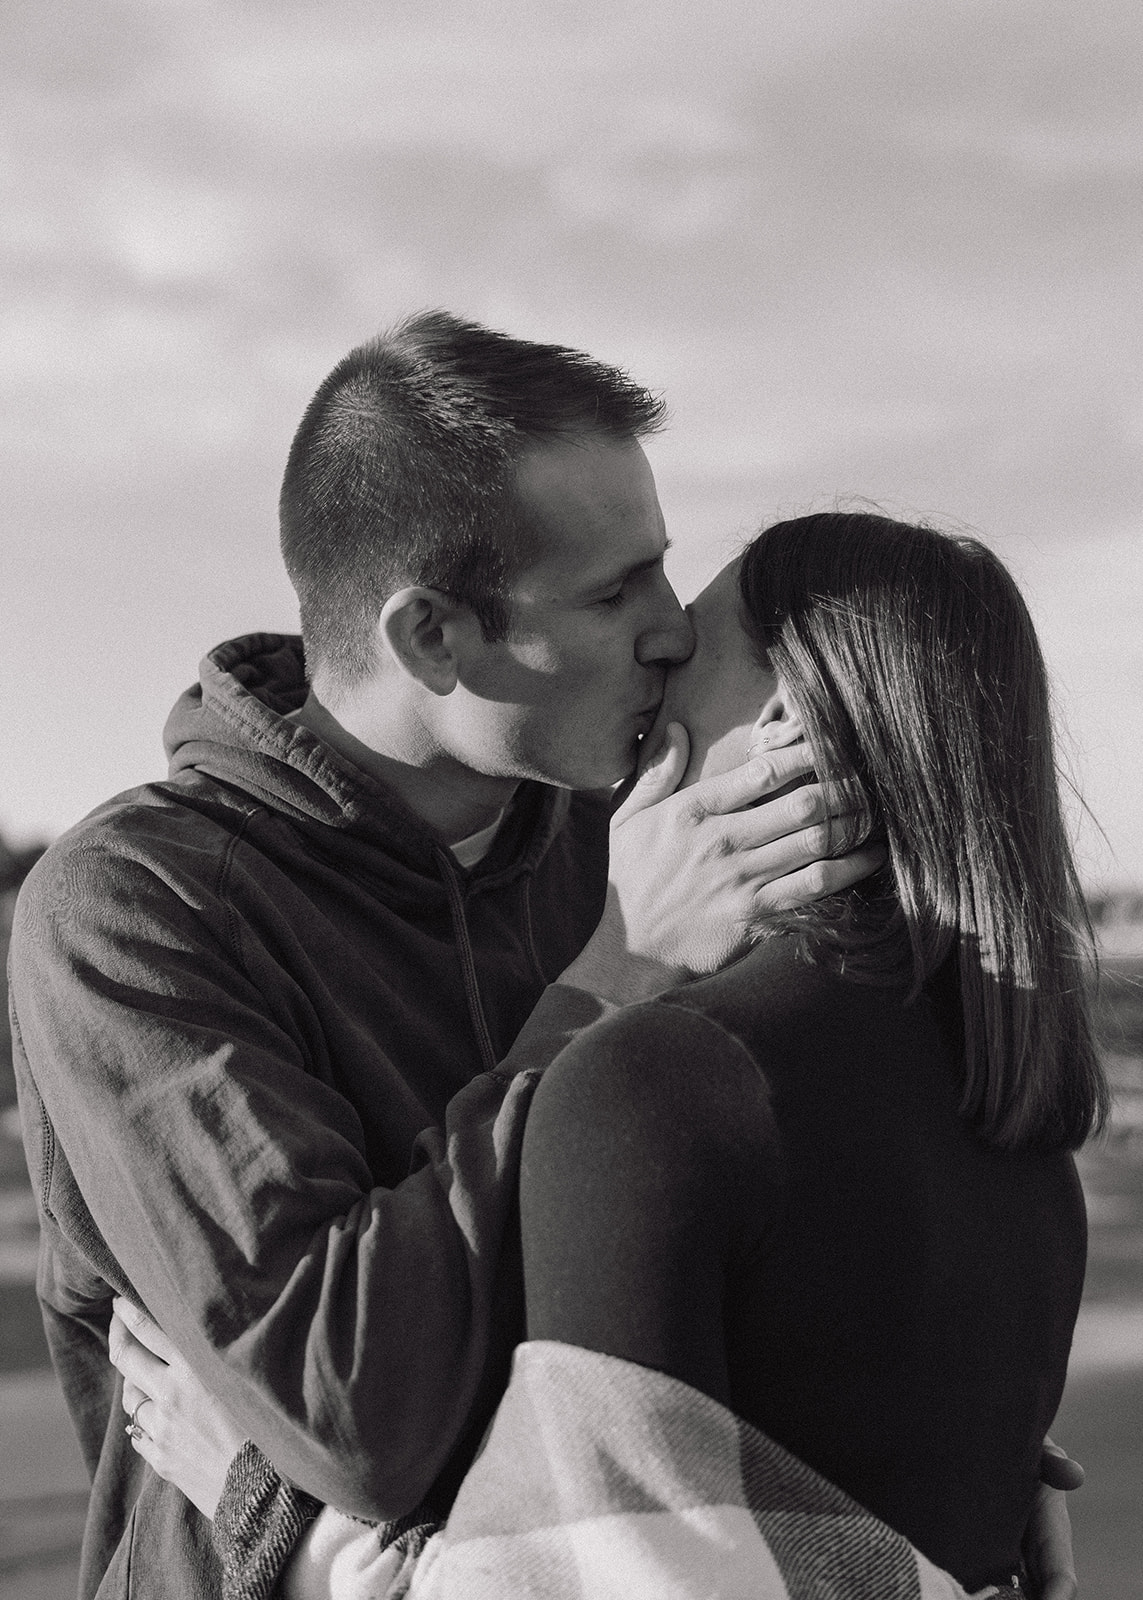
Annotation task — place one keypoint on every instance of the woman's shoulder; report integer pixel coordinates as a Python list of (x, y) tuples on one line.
[(760, 996), (774, 1013), (673, 1077), (824, 1035), (676, 1023), (778, 985)]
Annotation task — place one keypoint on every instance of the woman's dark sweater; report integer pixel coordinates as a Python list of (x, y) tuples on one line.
[(762, 1185)]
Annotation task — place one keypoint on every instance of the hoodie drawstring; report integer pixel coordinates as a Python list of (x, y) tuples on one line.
[(467, 964)]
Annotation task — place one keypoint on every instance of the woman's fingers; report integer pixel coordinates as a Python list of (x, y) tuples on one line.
[(134, 1360), (142, 1328), (184, 1434), (146, 1447), (133, 1397)]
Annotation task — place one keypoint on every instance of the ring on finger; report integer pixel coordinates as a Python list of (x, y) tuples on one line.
[(133, 1430)]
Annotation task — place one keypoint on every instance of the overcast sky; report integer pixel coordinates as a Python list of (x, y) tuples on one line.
[(883, 248)]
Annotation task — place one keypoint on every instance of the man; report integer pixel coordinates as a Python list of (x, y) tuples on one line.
[(277, 1018)]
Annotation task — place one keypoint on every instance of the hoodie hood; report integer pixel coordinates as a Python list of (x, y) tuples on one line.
[(233, 726)]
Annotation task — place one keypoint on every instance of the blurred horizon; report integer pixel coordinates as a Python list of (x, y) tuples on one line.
[(875, 249)]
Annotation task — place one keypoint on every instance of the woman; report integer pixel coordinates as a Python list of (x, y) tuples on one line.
[(830, 1188), (855, 1222)]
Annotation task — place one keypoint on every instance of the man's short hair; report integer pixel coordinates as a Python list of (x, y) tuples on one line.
[(402, 473)]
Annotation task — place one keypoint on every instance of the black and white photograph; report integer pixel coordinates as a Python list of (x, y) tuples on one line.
[(571, 874)]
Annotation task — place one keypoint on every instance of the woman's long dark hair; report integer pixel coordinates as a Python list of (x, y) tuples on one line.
[(913, 662)]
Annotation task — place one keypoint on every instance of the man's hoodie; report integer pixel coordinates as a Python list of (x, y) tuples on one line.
[(264, 1029)]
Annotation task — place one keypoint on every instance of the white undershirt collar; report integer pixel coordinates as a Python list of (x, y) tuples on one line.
[(473, 849)]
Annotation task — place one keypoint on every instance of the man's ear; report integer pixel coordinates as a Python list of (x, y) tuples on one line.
[(778, 723), (418, 628)]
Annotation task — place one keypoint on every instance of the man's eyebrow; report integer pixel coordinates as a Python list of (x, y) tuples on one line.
[(609, 580)]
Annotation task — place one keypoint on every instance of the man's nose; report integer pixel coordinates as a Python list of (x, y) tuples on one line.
[(669, 638)]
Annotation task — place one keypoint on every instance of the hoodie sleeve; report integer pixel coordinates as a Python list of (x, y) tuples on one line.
[(186, 1150)]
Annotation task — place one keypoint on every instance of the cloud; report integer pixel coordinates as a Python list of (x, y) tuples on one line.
[(1107, 146), (864, 245)]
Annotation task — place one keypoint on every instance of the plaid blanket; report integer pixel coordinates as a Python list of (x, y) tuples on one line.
[(600, 1480)]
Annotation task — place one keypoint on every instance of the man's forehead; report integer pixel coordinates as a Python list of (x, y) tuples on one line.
[(591, 510)]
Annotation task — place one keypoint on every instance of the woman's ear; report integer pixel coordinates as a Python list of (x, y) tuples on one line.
[(777, 724), (416, 628)]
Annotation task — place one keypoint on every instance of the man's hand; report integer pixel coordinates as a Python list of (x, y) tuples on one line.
[(694, 874), (179, 1427)]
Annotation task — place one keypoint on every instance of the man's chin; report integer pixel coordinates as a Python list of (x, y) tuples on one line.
[(604, 774), (623, 779)]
